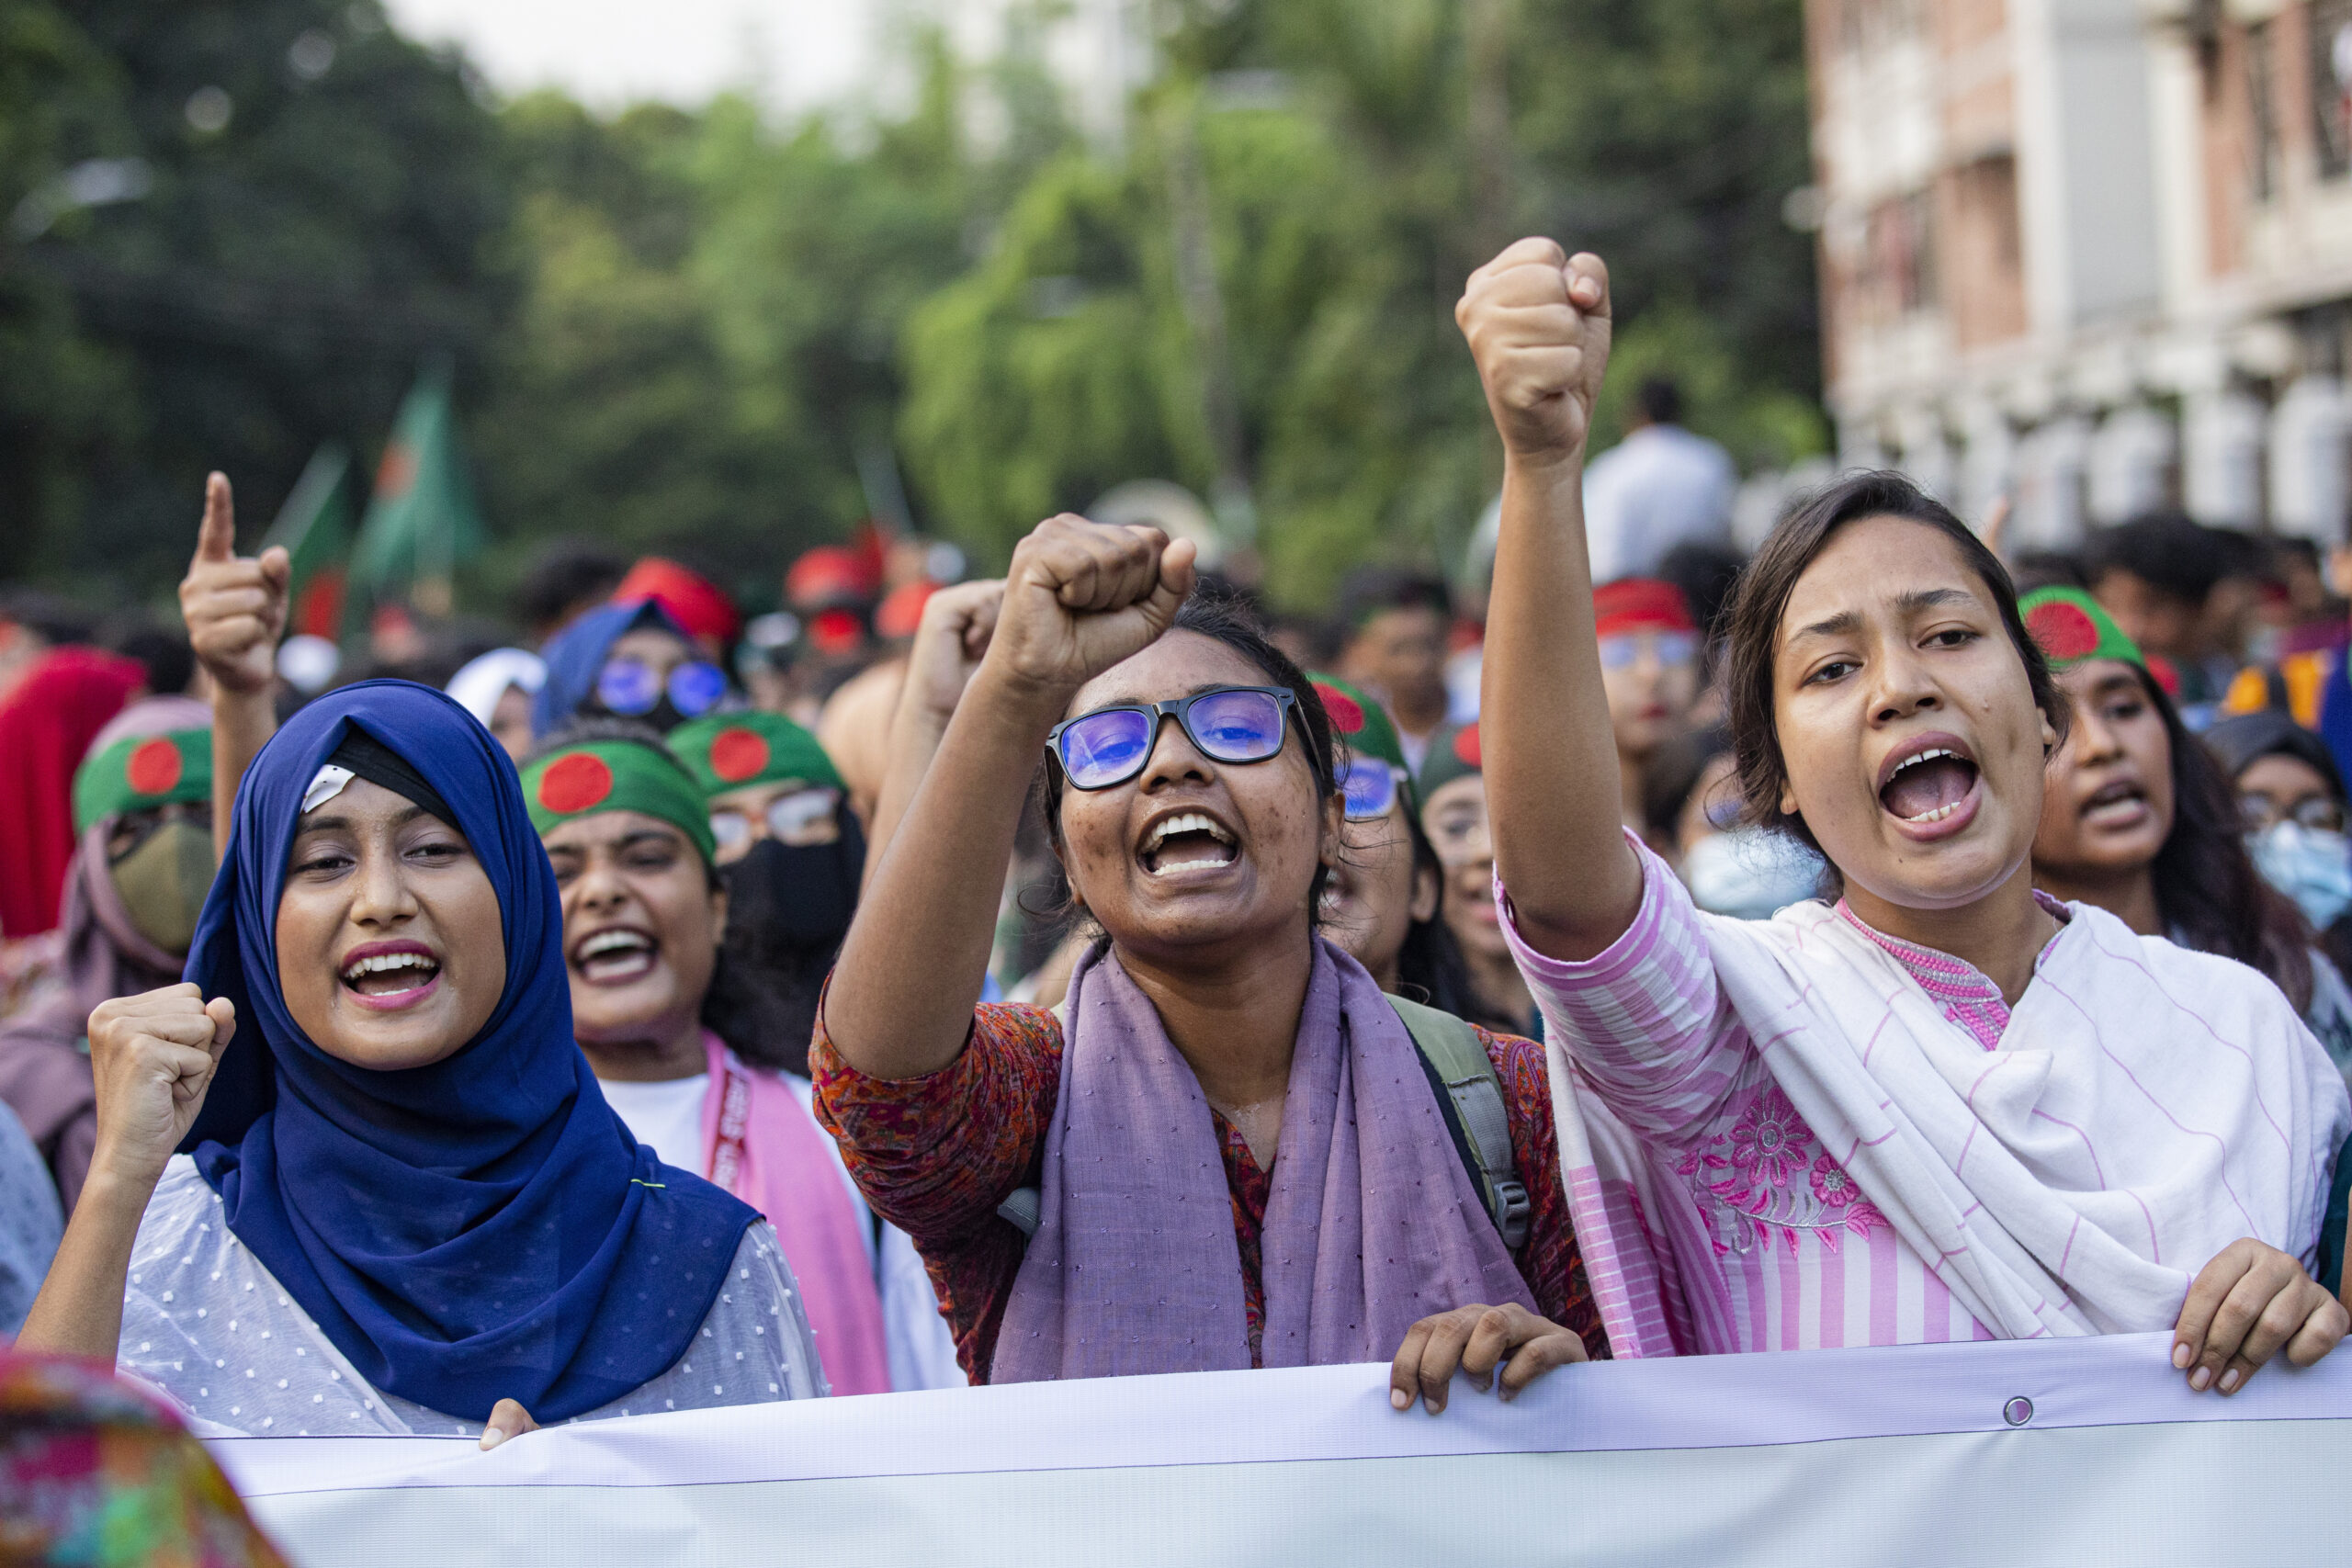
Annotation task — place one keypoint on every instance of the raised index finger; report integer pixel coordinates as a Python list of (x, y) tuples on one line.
[(216, 536)]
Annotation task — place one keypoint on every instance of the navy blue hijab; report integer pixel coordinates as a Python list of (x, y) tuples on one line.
[(479, 1229), (575, 658)]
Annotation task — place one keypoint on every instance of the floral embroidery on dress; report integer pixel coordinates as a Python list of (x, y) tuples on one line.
[(1752, 1171)]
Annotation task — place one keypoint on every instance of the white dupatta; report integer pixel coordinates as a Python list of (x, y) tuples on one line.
[(2146, 1107)]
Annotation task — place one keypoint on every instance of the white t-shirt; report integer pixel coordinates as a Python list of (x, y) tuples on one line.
[(665, 1116), (1659, 487)]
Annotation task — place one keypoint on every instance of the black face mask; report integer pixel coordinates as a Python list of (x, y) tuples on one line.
[(794, 901), (662, 715)]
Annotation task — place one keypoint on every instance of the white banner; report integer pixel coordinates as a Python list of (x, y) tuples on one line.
[(2076, 1451)]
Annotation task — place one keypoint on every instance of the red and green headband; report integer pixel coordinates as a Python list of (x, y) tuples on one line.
[(1453, 753), (735, 751), (2071, 626), (139, 772), (617, 776)]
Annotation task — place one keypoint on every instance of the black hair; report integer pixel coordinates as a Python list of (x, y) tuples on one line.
[(2029, 569), (1762, 596), (1222, 616), (162, 649), (2166, 550), (568, 575), (1369, 591), (1705, 573), (2208, 892), (53, 619), (2239, 742), (1660, 399), (1670, 774), (1430, 966)]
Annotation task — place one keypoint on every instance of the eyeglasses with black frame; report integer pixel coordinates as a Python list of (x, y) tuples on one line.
[(1225, 724)]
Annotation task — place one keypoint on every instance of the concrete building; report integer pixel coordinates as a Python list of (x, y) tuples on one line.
[(2093, 253)]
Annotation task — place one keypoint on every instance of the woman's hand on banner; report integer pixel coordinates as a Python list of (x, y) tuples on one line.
[(507, 1419), (1475, 1341), (2245, 1307)]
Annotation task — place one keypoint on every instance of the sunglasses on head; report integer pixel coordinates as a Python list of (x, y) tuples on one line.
[(630, 688), (1370, 786), (1225, 724)]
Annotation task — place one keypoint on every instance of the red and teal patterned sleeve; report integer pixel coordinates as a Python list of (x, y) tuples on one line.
[(935, 1156), (1548, 1260)]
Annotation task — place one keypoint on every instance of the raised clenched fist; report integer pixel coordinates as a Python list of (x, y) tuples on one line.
[(1537, 320), (234, 605), (153, 1056), (950, 641), (1081, 596)]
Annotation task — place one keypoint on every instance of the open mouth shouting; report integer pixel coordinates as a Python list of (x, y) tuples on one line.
[(2117, 806), (386, 975), (1931, 786), (1187, 841), (616, 955)]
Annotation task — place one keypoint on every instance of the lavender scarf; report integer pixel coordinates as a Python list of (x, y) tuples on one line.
[(1370, 1225)]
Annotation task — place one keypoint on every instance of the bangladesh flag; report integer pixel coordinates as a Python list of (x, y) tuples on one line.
[(422, 521), (315, 526)]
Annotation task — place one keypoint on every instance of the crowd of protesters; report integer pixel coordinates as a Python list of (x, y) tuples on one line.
[(1096, 971)]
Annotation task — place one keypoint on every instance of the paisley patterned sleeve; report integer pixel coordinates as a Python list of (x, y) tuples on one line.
[(1549, 1260), (935, 1156)]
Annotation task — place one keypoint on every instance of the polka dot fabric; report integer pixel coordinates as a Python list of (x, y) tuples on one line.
[(206, 1324)]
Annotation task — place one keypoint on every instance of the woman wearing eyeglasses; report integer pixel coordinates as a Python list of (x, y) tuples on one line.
[(1096, 1188), (1649, 672), (2138, 820), (1384, 899), (626, 659)]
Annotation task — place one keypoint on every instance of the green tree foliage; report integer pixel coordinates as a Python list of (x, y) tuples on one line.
[(1334, 143), (60, 105), (323, 192), (708, 332)]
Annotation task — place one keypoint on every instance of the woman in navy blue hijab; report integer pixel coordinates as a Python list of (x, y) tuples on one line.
[(402, 1202)]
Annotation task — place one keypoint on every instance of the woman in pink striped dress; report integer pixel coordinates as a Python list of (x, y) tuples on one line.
[(1932, 1105)]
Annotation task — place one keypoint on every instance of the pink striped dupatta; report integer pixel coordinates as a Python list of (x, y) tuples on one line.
[(2145, 1107), (783, 1164)]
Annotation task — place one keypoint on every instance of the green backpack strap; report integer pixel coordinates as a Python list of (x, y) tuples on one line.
[(1470, 1098)]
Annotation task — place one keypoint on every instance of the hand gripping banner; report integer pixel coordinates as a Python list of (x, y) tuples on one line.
[(2070, 1452)]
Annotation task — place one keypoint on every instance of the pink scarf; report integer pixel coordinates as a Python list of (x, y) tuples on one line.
[(784, 1167), (1371, 1224)]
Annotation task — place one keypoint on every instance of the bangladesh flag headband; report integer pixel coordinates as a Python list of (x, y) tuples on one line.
[(735, 751), (2070, 627), (1364, 724), (141, 772), (617, 776)]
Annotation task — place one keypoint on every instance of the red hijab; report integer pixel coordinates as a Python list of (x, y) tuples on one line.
[(46, 725)]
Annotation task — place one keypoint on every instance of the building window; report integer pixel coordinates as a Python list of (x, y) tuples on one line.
[(1899, 257), (2330, 35), (2262, 109), (1866, 25)]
